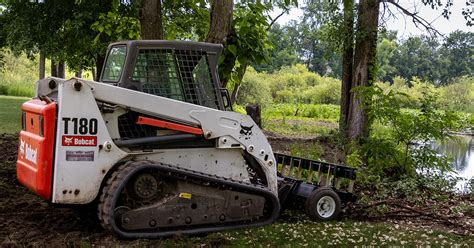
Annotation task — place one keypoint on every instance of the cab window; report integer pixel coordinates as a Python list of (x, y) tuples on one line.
[(114, 64)]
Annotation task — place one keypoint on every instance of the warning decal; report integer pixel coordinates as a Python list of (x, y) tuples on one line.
[(79, 155)]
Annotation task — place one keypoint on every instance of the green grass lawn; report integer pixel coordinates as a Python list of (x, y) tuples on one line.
[(295, 230), (10, 113)]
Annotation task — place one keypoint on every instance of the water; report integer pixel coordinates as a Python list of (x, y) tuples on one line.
[(461, 150)]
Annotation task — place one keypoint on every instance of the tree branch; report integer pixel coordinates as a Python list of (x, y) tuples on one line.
[(417, 20), (276, 18)]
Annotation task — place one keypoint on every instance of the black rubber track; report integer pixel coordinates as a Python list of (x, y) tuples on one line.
[(116, 183)]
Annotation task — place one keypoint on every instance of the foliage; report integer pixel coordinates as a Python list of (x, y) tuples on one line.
[(18, 74), (312, 151), (249, 41), (255, 90), (430, 59), (284, 48), (324, 112), (399, 141), (116, 27), (293, 84), (417, 189), (308, 40), (188, 19), (458, 96), (49, 25)]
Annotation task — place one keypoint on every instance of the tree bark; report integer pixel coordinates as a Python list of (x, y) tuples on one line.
[(363, 72), (54, 68), (221, 21), (347, 60), (78, 73), (255, 112), (61, 69), (42, 65), (235, 93), (99, 63), (151, 22)]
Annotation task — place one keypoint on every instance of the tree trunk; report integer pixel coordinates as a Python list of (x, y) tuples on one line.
[(150, 20), (235, 93), (61, 69), (54, 68), (42, 65), (78, 73), (99, 64), (221, 21), (363, 72), (347, 59), (254, 111), (94, 74)]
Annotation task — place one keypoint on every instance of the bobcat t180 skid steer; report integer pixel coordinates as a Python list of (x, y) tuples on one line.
[(153, 146)]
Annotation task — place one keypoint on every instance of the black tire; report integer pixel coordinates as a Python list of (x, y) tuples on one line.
[(331, 202)]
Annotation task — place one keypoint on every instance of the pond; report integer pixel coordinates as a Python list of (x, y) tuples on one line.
[(461, 150)]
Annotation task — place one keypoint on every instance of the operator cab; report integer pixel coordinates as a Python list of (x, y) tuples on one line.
[(181, 70)]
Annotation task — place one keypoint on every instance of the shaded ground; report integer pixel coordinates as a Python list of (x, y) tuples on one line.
[(26, 220)]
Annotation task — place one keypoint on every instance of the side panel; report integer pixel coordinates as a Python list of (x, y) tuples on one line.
[(228, 163), (36, 144), (84, 149)]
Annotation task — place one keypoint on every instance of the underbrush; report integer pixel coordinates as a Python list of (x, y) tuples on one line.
[(18, 74), (327, 112)]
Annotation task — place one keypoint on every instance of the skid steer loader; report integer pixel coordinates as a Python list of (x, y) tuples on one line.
[(154, 147)]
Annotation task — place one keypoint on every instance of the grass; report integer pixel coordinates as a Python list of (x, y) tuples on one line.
[(10, 113), (303, 128), (295, 230)]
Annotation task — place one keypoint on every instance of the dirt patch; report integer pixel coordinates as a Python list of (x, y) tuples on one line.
[(26, 219)]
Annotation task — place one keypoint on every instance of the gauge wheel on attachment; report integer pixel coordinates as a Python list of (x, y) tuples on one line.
[(323, 204)]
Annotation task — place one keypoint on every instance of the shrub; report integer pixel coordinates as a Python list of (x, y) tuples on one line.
[(399, 141), (254, 89), (458, 96)]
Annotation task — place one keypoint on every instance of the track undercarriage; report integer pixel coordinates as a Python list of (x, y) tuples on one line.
[(143, 199)]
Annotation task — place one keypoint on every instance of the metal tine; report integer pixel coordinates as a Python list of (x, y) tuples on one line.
[(299, 170), (329, 176), (283, 165), (291, 167), (309, 178), (350, 188), (320, 174)]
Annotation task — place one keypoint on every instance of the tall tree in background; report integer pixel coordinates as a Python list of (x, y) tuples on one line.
[(221, 21), (363, 68), (347, 61), (151, 23), (354, 121)]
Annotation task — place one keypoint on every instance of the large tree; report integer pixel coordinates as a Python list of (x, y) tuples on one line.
[(362, 72), (150, 20), (221, 21)]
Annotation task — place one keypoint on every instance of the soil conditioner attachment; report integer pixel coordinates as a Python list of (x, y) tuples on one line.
[(155, 146)]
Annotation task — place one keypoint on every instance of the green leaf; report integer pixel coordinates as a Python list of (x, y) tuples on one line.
[(232, 49)]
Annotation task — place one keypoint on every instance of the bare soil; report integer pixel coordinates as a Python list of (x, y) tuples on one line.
[(26, 219)]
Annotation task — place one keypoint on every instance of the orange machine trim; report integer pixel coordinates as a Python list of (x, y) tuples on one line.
[(168, 125)]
